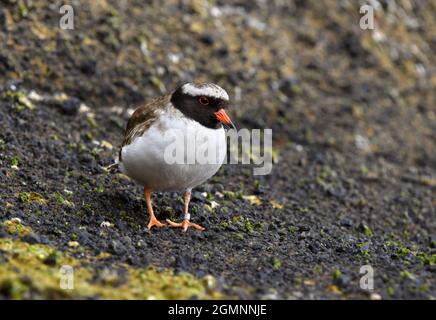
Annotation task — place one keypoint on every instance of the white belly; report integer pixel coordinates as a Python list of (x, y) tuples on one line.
[(171, 156)]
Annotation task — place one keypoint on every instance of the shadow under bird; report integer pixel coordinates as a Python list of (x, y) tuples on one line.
[(192, 108)]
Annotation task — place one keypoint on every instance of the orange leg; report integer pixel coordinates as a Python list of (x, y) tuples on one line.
[(185, 224), (153, 221)]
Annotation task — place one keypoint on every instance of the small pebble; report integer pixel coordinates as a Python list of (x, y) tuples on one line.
[(375, 296)]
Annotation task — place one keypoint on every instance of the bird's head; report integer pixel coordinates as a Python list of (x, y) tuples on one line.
[(204, 103)]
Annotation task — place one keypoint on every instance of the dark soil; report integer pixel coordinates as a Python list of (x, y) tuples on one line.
[(354, 125)]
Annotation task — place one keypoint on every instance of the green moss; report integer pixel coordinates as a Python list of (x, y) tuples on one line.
[(248, 226), (62, 201), (95, 153), (256, 185), (336, 274), (276, 263), (362, 244), (14, 226), (407, 275), (302, 210), (333, 289), (28, 272), (156, 82), (427, 259), (365, 253), (209, 197), (390, 291), (363, 228), (223, 224), (403, 251), (29, 197), (14, 161), (224, 210), (239, 236), (19, 99), (81, 147), (23, 10), (89, 136), (237, 218), (392, 243), (292, 229), (364, 170), (208, 207), (317, 268), (99, 189), (91, 121), (424, 288)]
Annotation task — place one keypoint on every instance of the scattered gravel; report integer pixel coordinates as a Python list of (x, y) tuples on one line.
[(353, 127)]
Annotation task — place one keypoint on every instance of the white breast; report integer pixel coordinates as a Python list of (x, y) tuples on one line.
[(154, 159)]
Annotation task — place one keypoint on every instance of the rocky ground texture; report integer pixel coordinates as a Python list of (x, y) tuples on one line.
[(353, 183)]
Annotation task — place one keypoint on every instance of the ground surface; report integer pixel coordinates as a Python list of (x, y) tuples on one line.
[(354, 126)]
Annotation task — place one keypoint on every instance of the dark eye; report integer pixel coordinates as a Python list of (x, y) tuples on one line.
[(203, 100)]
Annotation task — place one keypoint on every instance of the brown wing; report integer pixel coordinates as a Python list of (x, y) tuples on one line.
[(142, 118)]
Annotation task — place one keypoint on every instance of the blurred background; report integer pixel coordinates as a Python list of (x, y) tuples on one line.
[(353, 115)]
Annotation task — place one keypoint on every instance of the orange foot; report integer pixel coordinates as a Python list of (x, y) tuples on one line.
[(185, 224), (154, 222)]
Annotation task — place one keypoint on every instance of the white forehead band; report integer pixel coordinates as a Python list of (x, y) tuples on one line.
[(210, 90)]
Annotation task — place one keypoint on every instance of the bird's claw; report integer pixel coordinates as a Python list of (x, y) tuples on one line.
[(155, 223), (185, 224)]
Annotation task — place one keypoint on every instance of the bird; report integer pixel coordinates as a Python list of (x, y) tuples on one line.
[(193, 108)]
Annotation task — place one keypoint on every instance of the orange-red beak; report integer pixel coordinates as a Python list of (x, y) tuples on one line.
[(222, 117)]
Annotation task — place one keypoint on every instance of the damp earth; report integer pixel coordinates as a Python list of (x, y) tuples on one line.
[(353, 182)]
